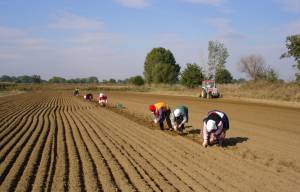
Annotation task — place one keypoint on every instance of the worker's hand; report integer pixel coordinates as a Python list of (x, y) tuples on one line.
[(204, 144)]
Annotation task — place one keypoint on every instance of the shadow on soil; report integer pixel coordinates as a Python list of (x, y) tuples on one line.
[(233, 141)]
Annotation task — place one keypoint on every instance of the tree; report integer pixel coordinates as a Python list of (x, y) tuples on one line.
[(271, 75), (6, 78), (253, 66), (36, 79), (24, 79), (137, 80), (223, 76), (164, 73), (154, 61), (92, 80), (112, 81), (217, 55), (293, 46), (56, 79), (192, 75)]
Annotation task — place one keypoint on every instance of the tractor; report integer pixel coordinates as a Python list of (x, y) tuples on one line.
[(209, 89)]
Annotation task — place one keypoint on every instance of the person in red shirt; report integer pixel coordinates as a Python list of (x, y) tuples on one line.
[(102, 99)]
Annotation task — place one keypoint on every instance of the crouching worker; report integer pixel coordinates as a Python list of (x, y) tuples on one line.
[(161, 112), (88, 97), (179, 117), (102, 99), (215, 126), (76, 92)]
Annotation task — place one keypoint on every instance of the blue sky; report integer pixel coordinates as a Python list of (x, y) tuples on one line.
[(110, 38)]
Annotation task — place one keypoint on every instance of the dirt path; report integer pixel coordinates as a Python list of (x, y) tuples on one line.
[(56, 142)]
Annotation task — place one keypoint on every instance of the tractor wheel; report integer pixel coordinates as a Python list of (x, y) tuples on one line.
[(203, 93)]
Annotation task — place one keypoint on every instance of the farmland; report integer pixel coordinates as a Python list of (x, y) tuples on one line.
[(53, 141)]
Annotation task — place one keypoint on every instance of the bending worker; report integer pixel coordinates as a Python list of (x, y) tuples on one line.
[(179, 117), (76, 92), (102, 99), (161, 112), (215, 126), (88, 97)]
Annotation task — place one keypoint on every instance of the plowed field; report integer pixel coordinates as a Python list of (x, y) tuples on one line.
[(52, 141)]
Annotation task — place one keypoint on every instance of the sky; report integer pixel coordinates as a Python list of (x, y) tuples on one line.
[(111, 38)]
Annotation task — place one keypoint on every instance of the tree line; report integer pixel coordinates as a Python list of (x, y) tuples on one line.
[(136, 80), (160, 66), (38, 79)]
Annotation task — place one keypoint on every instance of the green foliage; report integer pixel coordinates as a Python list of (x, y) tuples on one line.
[(165, 73), (112, 81), (192, 75), (36, 79), (21, 79), (293, 46), (56, 79), (92, 80), (154, 61), (223, 76), (271, 75), (6, 78), (217, 55), (136, 80)]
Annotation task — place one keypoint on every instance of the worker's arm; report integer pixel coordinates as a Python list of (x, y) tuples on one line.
[(220, 128), (172, 118), (159, 117), (184, 120), (205, 135)]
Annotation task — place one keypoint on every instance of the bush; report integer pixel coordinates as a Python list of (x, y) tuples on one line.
[(192, 76), (137, 80), (56, 79), (223, 76)]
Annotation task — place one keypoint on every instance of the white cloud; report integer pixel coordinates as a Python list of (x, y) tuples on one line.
[(69, 21), (81, 54), (13, 37), (289, 5), (135, 3), (206, 2), (224, 29), (95, 38)]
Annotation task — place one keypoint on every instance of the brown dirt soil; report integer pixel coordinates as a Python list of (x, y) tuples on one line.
[(52, 141)]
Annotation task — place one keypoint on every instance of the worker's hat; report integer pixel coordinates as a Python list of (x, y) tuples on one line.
[(211, 125), (152, 108)]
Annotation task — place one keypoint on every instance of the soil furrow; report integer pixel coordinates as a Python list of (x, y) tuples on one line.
[(28, 176), (163, 182), (92, 181), (7, 160), (61, 177), (120, 176), (16, 171), (76, 179)]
